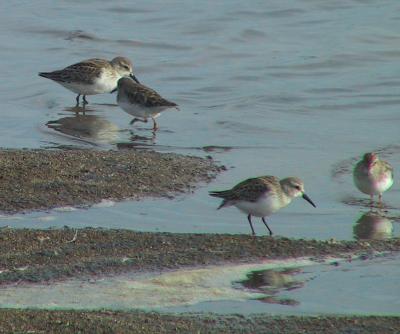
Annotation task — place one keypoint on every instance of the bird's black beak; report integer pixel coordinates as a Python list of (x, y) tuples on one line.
[(134, 78), (308, 199), (114, 90)]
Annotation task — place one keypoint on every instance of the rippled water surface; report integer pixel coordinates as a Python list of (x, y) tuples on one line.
[(281, 88), (290, 88)]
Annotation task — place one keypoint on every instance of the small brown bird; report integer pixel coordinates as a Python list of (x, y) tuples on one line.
[(141, 102), (373, 176), (92, 76), (262, 196)]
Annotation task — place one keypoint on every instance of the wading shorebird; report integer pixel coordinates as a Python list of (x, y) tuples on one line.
[(141, 101), (262, 196), (373, 176), (92, 76)]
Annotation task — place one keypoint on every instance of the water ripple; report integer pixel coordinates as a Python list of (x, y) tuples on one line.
[(279, 13), (154, 45)]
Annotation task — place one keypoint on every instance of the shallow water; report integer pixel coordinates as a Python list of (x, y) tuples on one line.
[(286, 88), (358, 287), (299, 286)]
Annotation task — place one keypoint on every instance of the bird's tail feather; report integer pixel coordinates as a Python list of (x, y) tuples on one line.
[(44, 74), (221, 194), (223, 204)]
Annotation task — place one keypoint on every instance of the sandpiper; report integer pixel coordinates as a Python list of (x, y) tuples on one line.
[(140, 101), (373, 176), (262, 196), (92, 76)]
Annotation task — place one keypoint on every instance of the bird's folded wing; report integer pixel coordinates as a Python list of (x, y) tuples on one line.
[(148, 97), (251, 189), (83, 72)]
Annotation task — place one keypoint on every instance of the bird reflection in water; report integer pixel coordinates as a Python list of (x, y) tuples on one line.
[(271, 282), (138, 141), (98, 130), (86, 127), (78, 109), (373, 225)]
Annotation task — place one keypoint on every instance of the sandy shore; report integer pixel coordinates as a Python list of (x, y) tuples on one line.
[(34, 321), (46, 255), (44, 179)]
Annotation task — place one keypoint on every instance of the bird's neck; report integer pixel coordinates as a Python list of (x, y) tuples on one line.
[(285, 199)]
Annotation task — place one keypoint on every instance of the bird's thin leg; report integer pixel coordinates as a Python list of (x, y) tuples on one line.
[(265, 223), (84, 99), (155, 127), (77, 99), (251, 225), (134, 120), (137, 120), (371, 200), (380, 201)]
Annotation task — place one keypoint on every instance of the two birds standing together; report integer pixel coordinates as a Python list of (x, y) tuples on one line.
[(98, 76)]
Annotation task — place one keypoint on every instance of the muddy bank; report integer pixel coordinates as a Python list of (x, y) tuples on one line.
[(43, 179), (45, 255), (33, 321)]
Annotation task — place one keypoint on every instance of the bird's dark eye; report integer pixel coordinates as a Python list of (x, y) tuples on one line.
[(298, 187), (126, 67)]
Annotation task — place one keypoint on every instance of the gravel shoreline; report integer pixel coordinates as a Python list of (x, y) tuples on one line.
[(45, 179), (29, 255), (36, 321)]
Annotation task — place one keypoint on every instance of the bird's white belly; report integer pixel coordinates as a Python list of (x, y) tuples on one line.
[(104, 84), (384, 184), (373, 187), (139, 111), (265, 206)]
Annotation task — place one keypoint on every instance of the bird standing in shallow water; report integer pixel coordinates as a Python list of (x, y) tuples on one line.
[(141, 101), (92, 76), (373, 176), (262, 196)]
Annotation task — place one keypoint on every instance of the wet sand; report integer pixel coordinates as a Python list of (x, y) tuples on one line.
[(28, 255), (35, 321), (38, 179), (45, 179)]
